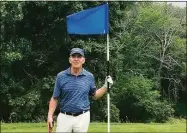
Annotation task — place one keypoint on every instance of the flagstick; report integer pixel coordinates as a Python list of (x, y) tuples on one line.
[(108, 94)]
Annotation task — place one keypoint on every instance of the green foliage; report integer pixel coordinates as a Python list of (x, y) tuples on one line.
[(24, 106), (141, 101), (114, 113), (144, 62), (12, 56), (180, 110), (99, 111)]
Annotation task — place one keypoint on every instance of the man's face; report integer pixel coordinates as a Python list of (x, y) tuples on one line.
[(76, 60)]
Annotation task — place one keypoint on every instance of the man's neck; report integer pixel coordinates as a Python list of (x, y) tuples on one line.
[(76, 71)]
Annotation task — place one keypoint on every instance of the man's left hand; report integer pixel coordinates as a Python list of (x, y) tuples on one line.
[(109, 80)]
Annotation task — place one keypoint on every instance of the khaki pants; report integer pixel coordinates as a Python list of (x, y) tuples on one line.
[(67, 123)]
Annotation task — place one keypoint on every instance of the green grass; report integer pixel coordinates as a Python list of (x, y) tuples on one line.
[(101, 127)]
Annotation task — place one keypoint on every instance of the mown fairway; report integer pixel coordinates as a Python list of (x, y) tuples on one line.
[(101, 127)]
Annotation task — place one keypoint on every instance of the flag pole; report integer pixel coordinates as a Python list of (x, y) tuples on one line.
[(108, 94)]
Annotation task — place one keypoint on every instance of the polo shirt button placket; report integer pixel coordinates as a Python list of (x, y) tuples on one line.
[(76, 81)]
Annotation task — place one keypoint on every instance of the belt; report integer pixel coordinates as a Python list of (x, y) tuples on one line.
[(74, 114)]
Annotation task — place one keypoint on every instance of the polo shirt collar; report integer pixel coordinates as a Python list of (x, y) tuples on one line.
[(83, 72)]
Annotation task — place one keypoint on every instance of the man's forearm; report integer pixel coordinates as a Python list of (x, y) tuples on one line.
[(99, 93), (52, 106)]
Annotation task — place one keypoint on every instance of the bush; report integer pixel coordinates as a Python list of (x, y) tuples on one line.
[(114, 113), (99, 111), (24, 106), (138, 102)]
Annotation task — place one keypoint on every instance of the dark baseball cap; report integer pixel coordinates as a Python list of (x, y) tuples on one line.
[(77, 51)]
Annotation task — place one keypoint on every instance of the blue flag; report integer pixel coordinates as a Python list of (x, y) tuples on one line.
[(90, 21)]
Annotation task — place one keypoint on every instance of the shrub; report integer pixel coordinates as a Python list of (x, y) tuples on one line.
[(137, 100)]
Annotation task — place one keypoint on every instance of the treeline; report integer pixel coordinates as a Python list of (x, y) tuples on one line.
[(147, 59)]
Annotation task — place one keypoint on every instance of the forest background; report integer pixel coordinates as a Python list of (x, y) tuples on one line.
[(147, 59)]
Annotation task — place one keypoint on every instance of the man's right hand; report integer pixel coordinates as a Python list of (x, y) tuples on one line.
[(50, 123)]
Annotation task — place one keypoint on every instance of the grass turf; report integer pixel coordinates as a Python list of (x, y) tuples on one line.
[(100, 127)]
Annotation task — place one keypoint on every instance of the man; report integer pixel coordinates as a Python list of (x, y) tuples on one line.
[(73, 88)]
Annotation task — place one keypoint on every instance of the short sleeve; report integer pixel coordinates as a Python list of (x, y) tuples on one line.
[(92, 87), (56, 92)]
